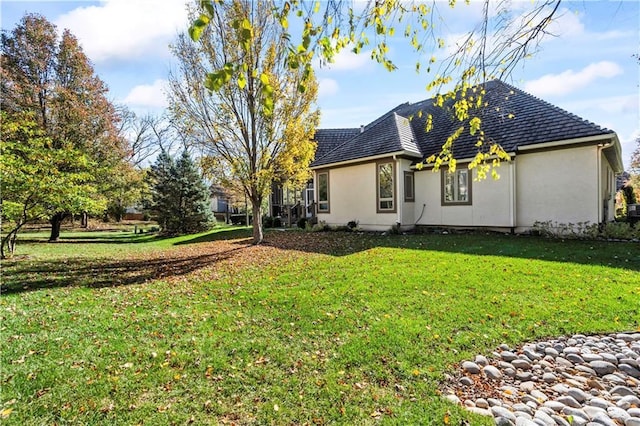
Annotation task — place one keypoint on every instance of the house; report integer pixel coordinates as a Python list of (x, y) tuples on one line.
[(562, 168)]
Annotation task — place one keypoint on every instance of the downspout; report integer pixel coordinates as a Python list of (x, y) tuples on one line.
[(397, 186), (514, 195), (600, 210)]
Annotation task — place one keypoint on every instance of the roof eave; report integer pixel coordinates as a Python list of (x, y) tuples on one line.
[(367, 159)]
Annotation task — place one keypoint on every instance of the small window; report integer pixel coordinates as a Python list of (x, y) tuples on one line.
[(386, 188), (323, 192), (456, 187), (409, 188)]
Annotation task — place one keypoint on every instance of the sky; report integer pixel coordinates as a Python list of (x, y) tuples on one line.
[(586, 67)]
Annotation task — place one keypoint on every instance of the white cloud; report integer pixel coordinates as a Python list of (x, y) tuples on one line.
[(569, 81), (327, 87), (148, 95), (566, 24), (123, 29), (346, 60)]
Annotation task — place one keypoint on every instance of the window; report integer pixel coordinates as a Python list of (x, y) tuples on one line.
[(323, 192), (386, 188), (409, 189), (456, 187)]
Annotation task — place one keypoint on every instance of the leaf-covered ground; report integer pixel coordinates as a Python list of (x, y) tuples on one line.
[(309, 328)]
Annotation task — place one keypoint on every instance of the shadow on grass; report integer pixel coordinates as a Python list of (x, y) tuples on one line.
[(223, 234), (98, 273)]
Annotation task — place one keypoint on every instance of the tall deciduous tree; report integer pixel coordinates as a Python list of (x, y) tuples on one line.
[(180, 196), (261, 127), (51, 77), (505, 35), (38, 180)]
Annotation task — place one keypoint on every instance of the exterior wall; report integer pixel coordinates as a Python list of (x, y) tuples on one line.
[(492, 202), (407, 208), (352, 196), (558, 186)]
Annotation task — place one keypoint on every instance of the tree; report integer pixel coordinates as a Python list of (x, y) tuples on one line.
[(503, 38), (260, 128), (51, 78), (38, 181), (180, 196)]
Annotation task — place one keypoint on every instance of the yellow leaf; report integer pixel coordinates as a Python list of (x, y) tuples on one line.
[(5, 413)]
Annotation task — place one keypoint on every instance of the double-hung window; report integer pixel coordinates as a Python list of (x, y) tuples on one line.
[(386, 187), (409, 187), (456, 187), (323, 192)]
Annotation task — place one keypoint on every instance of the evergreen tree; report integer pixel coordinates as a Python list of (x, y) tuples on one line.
[(180, 196)]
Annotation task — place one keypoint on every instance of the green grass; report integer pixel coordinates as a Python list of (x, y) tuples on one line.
[(308, 329)]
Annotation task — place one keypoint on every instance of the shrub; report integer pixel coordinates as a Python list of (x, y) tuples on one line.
[(352, 225), (267, 222), (302, 223)]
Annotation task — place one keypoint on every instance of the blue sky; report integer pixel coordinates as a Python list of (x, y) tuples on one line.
[(587, 68)]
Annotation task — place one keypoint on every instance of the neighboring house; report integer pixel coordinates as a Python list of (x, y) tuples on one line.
[(562, 169)]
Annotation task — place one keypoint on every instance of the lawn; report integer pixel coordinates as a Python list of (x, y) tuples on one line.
[(309, 328)]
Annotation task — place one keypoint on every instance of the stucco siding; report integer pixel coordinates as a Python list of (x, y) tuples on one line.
[(352, 196), (557, 186), (491, 206)]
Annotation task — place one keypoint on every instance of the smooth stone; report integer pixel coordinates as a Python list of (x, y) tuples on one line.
[(579, 421), (575, 358), (524, 376), (539, 395), (503, 412), (466, 381), (634, 412), (471, 367), (617, 413), (591, 357), (578, 394), (632, 421), (532, 355), (609, 358), (511, 372), (482, 403), (560, 388), (592, 411), (551, 351), (621, 390), (569, 401), (614, 379), (554, 405), (502, 421), (527, 386), (469, 403), (453, 398), (595, 384), (523, 415), (560, 421), (600, 403), (603, 419), (508, 356), (549, 377), (524, 408), (544, 417), (563, 362), (528, 398), (494, 402), (481, 360), (632, 362), (625, 337), (522, 364), (628, 369), (523, 421), (480, 411), (586, 370), (575, 412), (492, 372), (628, 401), (571, 350)]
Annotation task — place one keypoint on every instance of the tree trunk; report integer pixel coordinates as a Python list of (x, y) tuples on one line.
[(84, 222), (257, 220), (56, 223)]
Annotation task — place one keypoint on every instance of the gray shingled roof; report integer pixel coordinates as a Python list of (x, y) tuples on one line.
[(534, 121), (392, 133)]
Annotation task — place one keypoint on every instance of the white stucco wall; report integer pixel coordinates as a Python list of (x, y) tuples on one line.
[(492, 201), (559, 186), (352, 196), (607, 188)]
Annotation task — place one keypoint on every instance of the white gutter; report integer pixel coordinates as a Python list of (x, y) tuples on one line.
[(397, 189), (514, 194), (574, 141), (366, 159)]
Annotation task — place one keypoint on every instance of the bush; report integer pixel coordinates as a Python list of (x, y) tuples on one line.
[(302, 223), (321, 226), (353, 225), (267, 222), (617, 230), (586, 230)]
